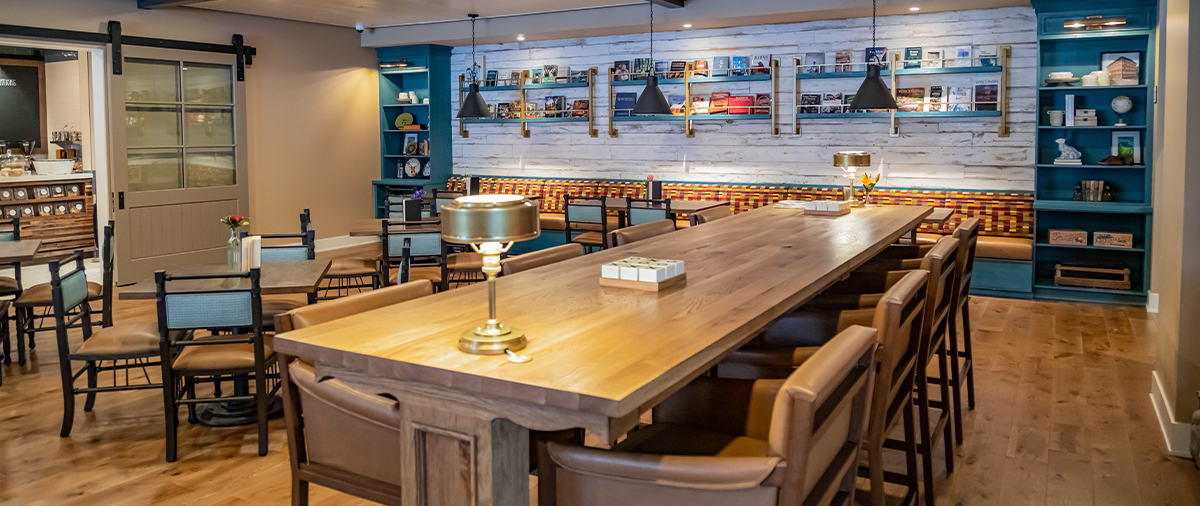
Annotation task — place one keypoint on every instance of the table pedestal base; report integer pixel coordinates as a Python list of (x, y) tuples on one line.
[(236, 413)]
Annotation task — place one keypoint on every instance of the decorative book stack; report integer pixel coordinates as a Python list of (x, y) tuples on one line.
[(1085, 118), (639, 273)]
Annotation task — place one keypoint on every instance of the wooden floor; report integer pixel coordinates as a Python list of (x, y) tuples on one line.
[(1064, 418)]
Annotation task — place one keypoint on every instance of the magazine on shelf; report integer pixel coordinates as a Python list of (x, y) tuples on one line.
[(740, 104), (962, 57), (760, 64), (624, 103), (701, 67), (987, 55), (514, 78), (555, 104), (987, 90), (490, 80), (581, 76), (933, 58), (847, 99), (739, 66), (831, 103), (535, 76), (762, 103), (677, 103), (810, 103), (960, 99), (550, 73), (503, 110), (621, 70), (910, 99), (912, 57), (699, 105), (678, 68), (843, 59), (877, 55), (662, 69), (642, 67), (936, 96), (579, 108), (813, 63), (720, 66), (719, 103)]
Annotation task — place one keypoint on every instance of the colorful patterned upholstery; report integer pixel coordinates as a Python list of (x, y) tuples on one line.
[(1000, 213)]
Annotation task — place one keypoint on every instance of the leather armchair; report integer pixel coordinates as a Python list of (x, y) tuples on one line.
[(521, 263), (722, 441)]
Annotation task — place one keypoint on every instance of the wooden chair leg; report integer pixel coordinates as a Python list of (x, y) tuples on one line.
[(170, 418), (948, 409), (68, 385), (190, 388), (21, 317), (968, 353), (910, 456), (956, 380), (91, 383), (299, 492), (262, 400), (924, 442), (4, 341), (875, 461)]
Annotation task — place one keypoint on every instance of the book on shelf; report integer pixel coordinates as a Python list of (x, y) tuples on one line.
[(1069, 110), (621, 70), (490, 80), (550, 73), (843, 59), (912, 57), (962, 57), (624, 103), (936, 96), (987, 55), (831, 103), (642, 67), (933, 58), (535, 76), (719, 102), (810, 103), (701, 68), (960, 99), (910, 99), (699, 105), (762, 103), (877, 55), (678, 68), (739, 66), (987, 90), (740, 104), (579, 108), (760, 64), (847, 99), (720, 66), (813, 63)]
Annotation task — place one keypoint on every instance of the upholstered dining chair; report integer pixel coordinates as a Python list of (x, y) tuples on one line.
[(243, 354), (9, 286), (641, 232), (443, 197), (292, 252), (535, 259), (710, 214), (586, 221), (745, 442), (346, 275), (898, 316), (642, 211), (339, 437), (401, 249)]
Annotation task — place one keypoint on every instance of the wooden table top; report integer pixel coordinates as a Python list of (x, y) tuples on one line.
[(278, 278), (939, 215), (19, 251), (374, 228), (610, 351), (677, 206)]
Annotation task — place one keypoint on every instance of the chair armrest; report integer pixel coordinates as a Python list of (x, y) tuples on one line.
[(729, 406), (764, 362), (709, 473)]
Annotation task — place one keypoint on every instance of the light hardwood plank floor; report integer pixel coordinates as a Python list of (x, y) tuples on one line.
[(1063, 418)]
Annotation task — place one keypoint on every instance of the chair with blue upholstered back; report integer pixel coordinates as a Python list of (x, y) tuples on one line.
[(243, 354), (9, 286), (586, 221), (404, 250), (643, 211), (304, 251)]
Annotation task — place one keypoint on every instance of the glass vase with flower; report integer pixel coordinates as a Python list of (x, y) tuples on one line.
[(233, 253), (869, 186)]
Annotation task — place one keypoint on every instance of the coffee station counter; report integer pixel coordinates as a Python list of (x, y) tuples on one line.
[(56, 208)]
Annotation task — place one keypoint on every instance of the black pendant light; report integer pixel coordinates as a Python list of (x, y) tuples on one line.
[(652, 102), (473, 106), (874, 93)]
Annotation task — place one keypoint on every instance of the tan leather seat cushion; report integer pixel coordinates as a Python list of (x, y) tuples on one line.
[(351, 267), (923, 238), (131, 339), (589, 238), (1004, 248), (642, 232), (8, 285), (272, 307), (558, 221), (671, 439), (533, 260), (464, 261), (41, 295), (222, 356), (431, 274), (330, 310)]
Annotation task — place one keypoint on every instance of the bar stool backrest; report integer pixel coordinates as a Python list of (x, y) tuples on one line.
[(898, 318), (68, 291), (942, 264), (967, 234)]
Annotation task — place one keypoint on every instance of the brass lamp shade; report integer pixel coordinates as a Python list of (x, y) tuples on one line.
[(852, 159), (490, 218)]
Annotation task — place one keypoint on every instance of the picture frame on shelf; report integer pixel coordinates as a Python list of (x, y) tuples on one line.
[(410, 145), (1128, 143), (1124, 68)]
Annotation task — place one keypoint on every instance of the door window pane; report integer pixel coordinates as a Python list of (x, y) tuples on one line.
[(152, 126), (155, 169), (207, 83), (210, 167), (209, 126), (151, 80)]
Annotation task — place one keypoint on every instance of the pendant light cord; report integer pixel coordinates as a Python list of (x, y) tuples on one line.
[(474, 72), (652, 32)]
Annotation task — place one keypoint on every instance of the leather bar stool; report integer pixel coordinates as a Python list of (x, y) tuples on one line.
[(522, 263), (641, 232), (897, 316), (710, 214), (745, 442)]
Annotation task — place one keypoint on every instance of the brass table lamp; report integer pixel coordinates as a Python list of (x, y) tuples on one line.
[(849, 162), (490, 224)]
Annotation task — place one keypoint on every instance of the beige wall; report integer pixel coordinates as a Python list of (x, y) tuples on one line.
[(1176, 273), (312, 99)]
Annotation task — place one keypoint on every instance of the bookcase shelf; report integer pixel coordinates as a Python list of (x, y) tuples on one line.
[(1004, 54), (522, 88), (694, 117), (1132, 211), (430, 67)]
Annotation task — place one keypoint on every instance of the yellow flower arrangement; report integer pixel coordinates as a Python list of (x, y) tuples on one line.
[(869, 183)]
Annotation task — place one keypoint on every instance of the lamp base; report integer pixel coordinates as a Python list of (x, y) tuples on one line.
[(492, 343)]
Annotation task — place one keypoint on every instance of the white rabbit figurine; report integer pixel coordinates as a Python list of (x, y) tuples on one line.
[(1067, 155)]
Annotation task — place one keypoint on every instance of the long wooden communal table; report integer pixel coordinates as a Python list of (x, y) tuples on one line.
[(601, 356)]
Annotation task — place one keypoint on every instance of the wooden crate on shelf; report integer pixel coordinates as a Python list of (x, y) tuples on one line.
[(1092, 277)]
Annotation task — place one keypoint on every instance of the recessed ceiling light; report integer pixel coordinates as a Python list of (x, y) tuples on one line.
[(520, 37), (687, 25), (914, 9)]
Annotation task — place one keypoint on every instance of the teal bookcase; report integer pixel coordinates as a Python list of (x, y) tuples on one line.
[(1078, 49), (424, 70)]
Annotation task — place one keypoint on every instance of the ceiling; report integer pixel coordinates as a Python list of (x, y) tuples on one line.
[(375, 13)]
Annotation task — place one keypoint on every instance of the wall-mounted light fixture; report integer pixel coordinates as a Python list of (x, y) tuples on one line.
[(1094, 23), (402, 64)]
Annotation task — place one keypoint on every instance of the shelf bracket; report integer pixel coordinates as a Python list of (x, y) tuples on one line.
[(775, 98), (894, 128), (592, 75), (1005, 55), (612, 104), (462, 125), (524, 104), (688, 129)]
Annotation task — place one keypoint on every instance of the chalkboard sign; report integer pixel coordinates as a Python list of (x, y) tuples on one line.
[(21, 104)]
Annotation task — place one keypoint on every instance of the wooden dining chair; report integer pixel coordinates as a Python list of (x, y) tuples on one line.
[(642, 211), (629, 235), (533, 260), (244, 353), (291, 252), (11, 286), (586, 221), (340, 437), (898, 316), (443, 197), (346, 275), (710, 214), (403, 250), (737, 442)]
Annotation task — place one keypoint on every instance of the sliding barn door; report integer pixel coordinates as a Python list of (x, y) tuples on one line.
[(178, 129)]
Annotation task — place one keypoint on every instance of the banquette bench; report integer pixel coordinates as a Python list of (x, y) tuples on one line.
[(1004, 255)]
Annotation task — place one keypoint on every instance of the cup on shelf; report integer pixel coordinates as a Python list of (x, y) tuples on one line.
[(1090, 80), (1056, 118), (425, 100), (1103, 78)]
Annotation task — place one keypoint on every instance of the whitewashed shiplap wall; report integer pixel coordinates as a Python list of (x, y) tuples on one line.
[(963, 153)]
